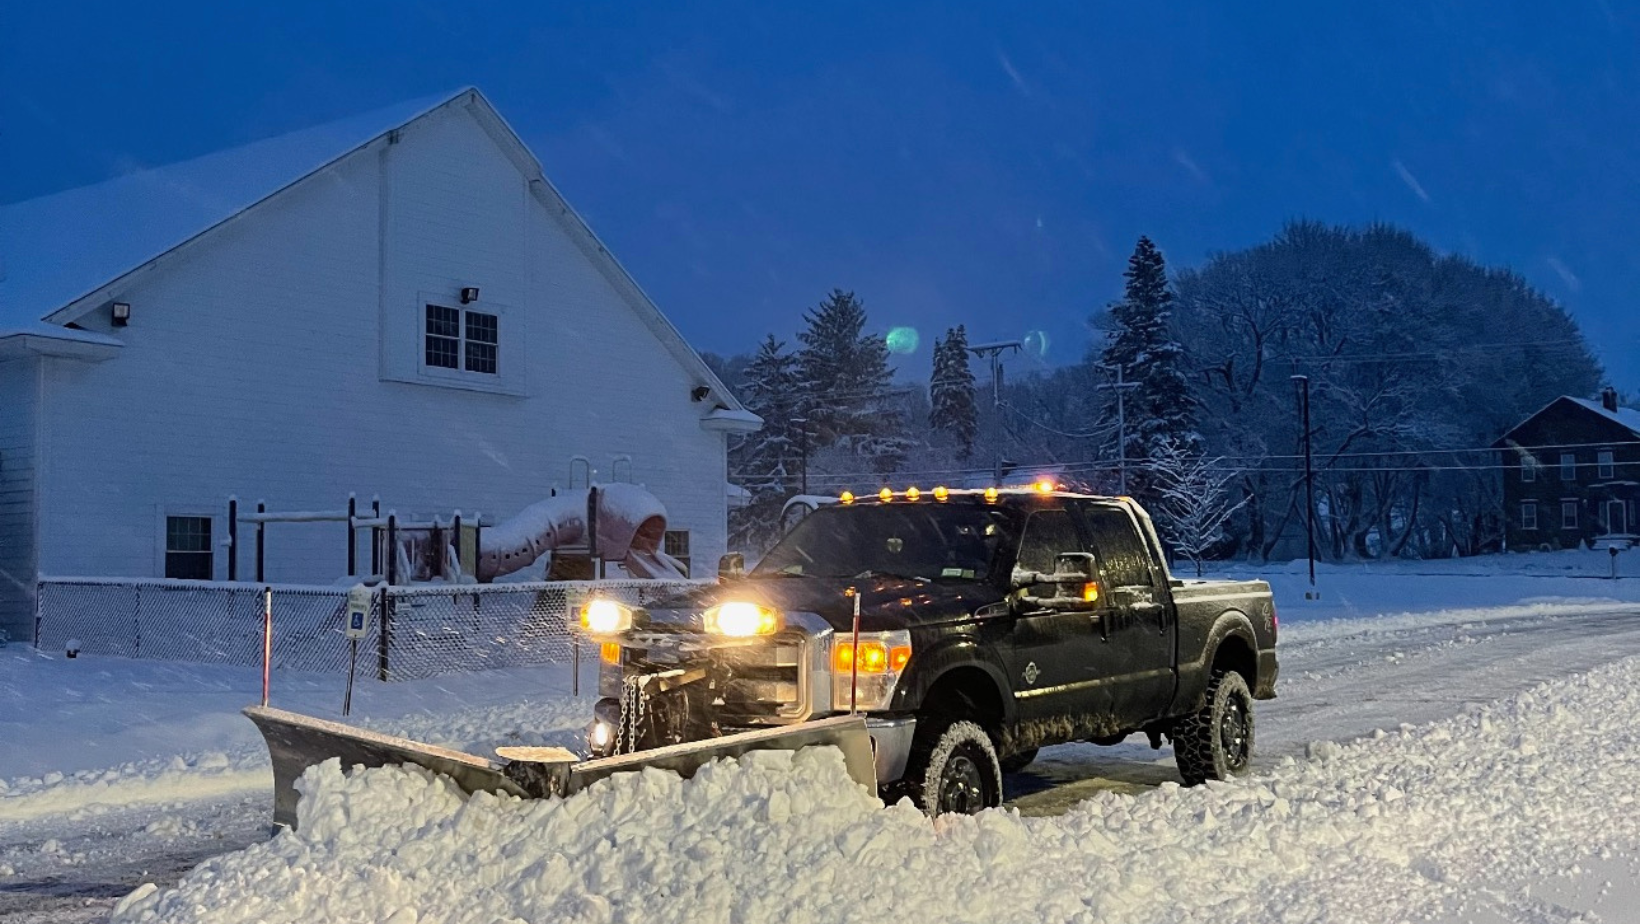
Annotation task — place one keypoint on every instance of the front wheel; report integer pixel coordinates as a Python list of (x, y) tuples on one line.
[(1216, 741), (953, 769)]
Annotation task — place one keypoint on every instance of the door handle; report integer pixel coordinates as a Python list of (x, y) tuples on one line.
[(1148, 609)]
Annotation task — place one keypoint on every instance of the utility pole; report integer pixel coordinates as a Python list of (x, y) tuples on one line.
[(1120, 387), (1303, 382), (993, 352)]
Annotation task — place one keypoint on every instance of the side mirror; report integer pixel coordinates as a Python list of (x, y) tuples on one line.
[(731, 567), (1073, 586)]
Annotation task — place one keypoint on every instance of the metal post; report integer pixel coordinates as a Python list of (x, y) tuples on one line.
[(384, 622), (375, 537), (854, 656), (592, 532), (261, 527), (455, 530), (233, 538), (1120, 387), (352, 667), (352, 546), (392, 550), (1309, 479), (267, 640)]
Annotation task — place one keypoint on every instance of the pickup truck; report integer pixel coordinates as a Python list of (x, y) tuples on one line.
[(970, 627)]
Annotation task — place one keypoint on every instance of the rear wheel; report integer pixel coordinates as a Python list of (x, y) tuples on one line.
[(1216, 742), (953, 768)]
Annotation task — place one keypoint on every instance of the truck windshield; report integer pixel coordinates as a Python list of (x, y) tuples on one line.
[(925, 542)]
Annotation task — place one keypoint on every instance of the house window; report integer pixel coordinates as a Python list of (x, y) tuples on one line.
[(677, 546), (1606, 460), (1528, 515), (188, 548), (1528, 469), (1568, 466), (1568, 514), (458, 339)]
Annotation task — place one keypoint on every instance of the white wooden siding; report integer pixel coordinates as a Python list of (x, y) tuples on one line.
[(18, 402)]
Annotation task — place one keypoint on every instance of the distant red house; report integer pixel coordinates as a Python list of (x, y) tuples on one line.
[(1571, 475)]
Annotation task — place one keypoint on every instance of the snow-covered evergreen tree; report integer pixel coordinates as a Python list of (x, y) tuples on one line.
[(951, 392), (769, 463), (845, 372), (1160, 409)]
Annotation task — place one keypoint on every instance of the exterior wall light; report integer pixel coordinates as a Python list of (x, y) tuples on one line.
[(120, 312), (469, 294)]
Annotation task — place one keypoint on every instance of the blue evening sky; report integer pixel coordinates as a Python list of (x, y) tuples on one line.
[(988, 164)]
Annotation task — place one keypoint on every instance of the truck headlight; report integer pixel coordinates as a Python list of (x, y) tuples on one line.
[(605, 617), (865, 676), (738, 619)]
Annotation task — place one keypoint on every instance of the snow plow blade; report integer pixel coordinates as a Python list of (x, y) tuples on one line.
[(297, 742)]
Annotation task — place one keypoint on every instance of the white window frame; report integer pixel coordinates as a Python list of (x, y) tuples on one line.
[(1568, 466), (1528, 469), (219, 534), (511, 349), (1608, 463), (1528, 515), (687, 557), (1568, 513)]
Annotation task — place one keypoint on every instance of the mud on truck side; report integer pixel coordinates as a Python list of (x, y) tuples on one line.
[(970, 628)]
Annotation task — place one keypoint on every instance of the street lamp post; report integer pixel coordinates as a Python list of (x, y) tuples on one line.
[(1303, 382)]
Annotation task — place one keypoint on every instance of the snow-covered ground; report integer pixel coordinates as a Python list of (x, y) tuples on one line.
[(114, 773)]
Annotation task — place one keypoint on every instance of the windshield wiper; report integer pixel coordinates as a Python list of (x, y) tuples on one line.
[(873, 572)]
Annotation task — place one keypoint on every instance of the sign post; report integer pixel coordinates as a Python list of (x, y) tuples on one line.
[(358, 622)]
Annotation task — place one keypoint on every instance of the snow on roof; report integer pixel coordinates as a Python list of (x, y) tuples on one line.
[(58, 248), (1623, 416), (53, 332)]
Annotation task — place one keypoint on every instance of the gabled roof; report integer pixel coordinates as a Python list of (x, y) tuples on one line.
[(58, 251), (1625, 417), (58, 248)]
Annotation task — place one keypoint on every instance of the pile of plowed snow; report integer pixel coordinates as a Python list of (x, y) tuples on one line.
[(1459, 820)]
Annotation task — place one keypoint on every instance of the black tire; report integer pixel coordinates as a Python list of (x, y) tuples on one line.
[(1018, 760), (953, 768), (1216, 742)]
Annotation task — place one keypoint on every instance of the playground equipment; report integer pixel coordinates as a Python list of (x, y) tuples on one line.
[(583, 529)]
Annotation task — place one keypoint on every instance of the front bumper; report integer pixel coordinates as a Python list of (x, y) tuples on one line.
[(891, 746)]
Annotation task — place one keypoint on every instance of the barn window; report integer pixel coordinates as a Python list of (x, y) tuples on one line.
[(483, 339), (1568, 466), (1528, 515), (188, 548), (677, 546), (443, 336), (458, 339), (1568, 514), (1606, 460)]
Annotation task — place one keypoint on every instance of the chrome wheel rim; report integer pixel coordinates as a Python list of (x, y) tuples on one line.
[(1234, 733)]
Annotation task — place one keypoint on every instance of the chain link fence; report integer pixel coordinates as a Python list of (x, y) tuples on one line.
[(428, 630)]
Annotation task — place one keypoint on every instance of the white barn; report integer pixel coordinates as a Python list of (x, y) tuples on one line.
[(285, 322)]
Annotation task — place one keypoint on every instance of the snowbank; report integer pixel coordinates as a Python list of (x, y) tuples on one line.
[(1458, 820)]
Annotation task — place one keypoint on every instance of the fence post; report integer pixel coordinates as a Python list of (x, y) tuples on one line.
[(233, 538), (267, 640), (375, 537), (261, 527), (384, 624), (352, 546)]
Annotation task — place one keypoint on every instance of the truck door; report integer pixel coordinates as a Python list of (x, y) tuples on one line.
[(1139, 627), (1058, 662)]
